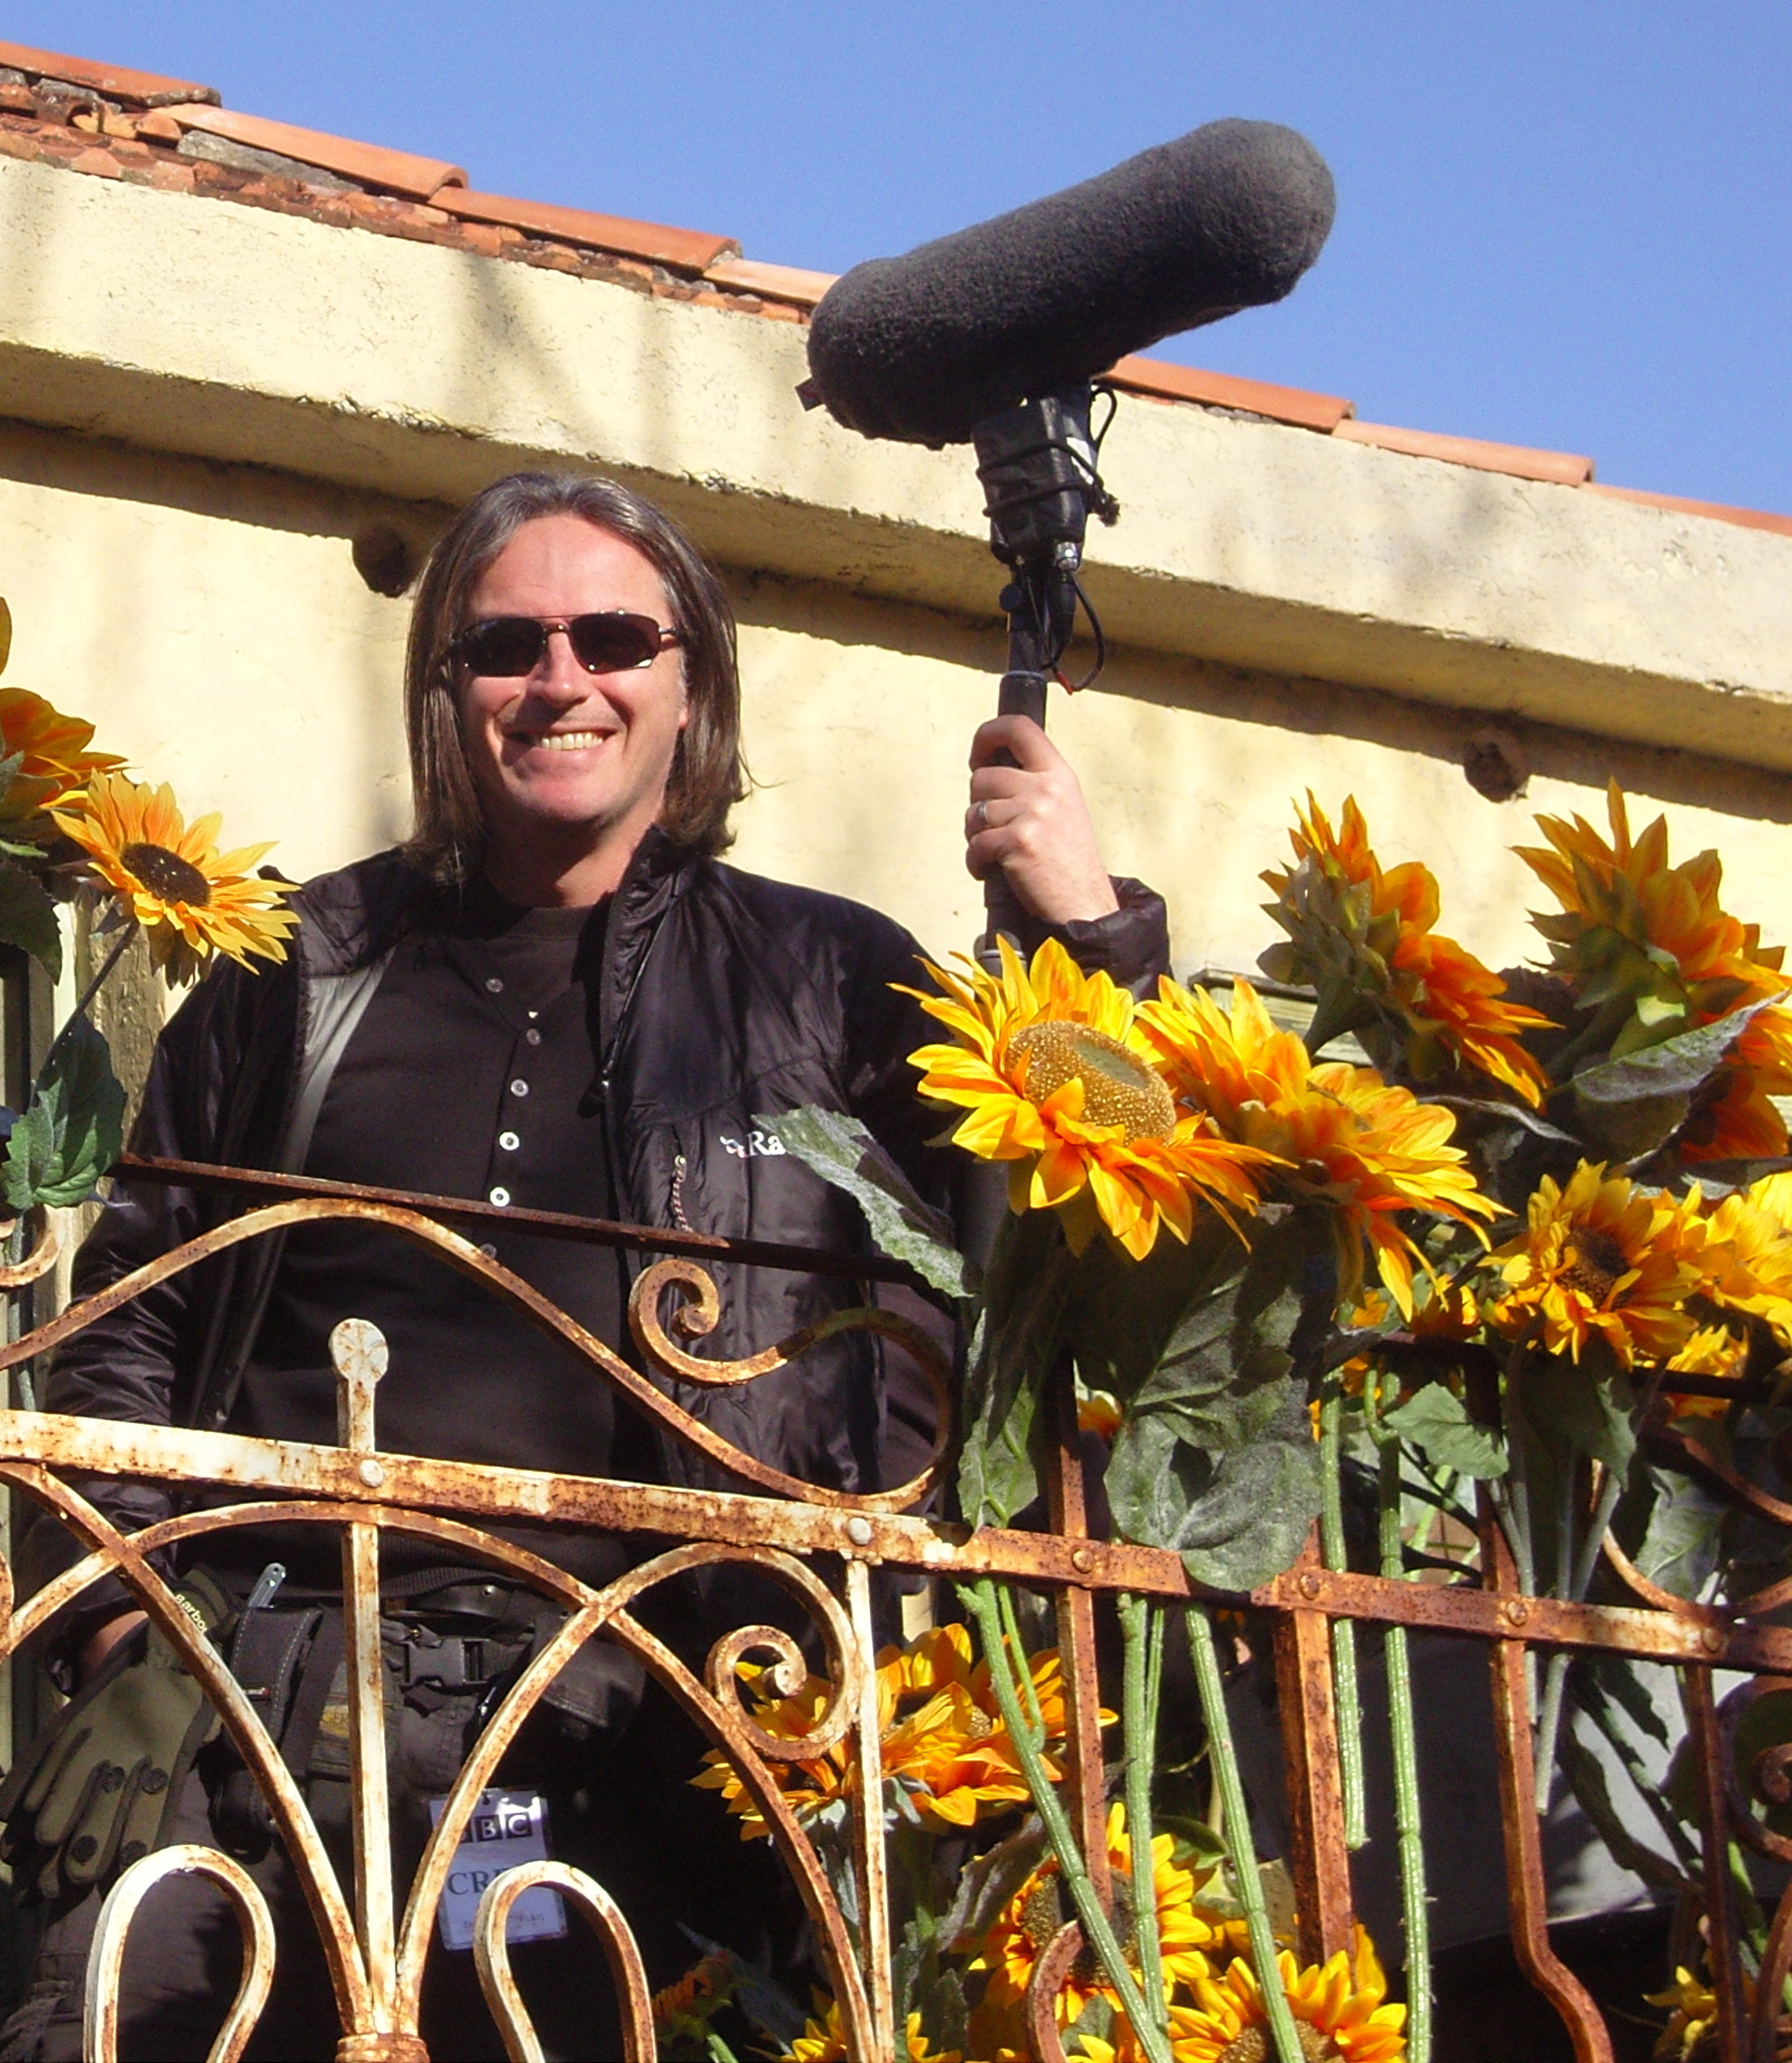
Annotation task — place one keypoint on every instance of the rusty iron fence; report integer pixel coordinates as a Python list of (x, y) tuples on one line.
[(821, 1546)]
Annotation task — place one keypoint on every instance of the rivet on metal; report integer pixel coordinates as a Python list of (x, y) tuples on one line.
[(1082, 1559), (1712, 1640), (858, 1531), (1310, 1584), (371, 1475), (1517, 1611)]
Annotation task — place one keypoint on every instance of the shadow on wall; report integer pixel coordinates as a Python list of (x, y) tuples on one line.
[(1503, 750)]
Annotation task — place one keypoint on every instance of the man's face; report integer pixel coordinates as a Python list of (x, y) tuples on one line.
[(559, 748)]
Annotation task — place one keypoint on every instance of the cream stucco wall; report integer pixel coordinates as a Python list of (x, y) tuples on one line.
[(201, 403)]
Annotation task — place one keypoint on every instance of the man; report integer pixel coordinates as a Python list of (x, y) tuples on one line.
[(553, 997)]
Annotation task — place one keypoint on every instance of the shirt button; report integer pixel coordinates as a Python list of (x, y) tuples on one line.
[(499, 1196), (493, 986), (508, 1141), (491, 1253), (519, 1087), (532, 1037)]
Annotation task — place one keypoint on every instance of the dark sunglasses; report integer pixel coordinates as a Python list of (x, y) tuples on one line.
[(614, 642)]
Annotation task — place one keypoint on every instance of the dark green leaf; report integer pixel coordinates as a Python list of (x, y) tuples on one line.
[(28, 916), (1630, 1106), (1592, 1408), (1216, 1457), (1679, 1545), (1124, 1311), (840, 1149), (73, 1127), (1436, 1421), (1017, 1345)]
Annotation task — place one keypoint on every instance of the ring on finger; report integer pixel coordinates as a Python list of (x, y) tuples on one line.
[(982, 817)]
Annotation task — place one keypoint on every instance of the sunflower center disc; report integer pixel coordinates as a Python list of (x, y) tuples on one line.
[(1253, 2046), (166, 874), (1595, 1260), (1118, 1087)]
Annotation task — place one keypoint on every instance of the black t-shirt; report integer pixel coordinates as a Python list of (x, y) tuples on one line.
[(472, 1072)]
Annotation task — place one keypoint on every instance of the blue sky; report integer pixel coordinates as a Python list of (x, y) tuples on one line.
[(1563, 225)]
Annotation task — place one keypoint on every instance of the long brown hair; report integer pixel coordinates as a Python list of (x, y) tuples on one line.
[(708, 775)]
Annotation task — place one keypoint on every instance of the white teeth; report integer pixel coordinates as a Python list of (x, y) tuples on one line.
[(566, 741)]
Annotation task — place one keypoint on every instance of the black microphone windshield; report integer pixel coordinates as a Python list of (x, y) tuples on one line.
[(921, 348)]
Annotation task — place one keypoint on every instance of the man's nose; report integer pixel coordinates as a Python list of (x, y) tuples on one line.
[(558, 671)]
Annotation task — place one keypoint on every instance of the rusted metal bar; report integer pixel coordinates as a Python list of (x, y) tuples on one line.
[(1320, 1859), (105, 1959), (1720, 1896), (1050, 1970), (1084, 1776), (358, 1351), (512, 1217), (857, 1527), (491, 1955), (1526, 1894), (872, 1861)]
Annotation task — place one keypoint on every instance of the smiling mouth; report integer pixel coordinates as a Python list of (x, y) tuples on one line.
[(558, 741)]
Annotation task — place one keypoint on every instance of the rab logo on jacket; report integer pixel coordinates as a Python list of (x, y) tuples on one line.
[(757, 1146)]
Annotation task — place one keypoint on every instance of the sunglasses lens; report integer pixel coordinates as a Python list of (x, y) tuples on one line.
[(503, 647), (614, 643)]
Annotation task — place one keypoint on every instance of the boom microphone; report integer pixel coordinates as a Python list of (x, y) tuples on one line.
[(921, 348)]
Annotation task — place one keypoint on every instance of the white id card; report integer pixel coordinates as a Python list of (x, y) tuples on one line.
[(506, 1828)]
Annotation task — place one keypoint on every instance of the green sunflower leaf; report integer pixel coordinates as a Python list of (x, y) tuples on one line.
[(28, 916), (1436, 1421), (71, 1130)]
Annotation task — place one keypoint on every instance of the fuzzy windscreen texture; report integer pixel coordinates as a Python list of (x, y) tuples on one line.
[(921, 348)]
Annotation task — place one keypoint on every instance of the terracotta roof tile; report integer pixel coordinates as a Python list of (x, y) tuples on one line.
[(1220, 390), (112, 82), (36, 123), (1561, 468), (1720, 511), (771, 282), (688, 249), (370, 164)]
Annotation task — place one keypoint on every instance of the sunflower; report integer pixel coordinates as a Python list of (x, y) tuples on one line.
[(1050, 1066), (1363, 938), (1691, 2033), (1343, 1137), (1340, 2013), (1745, 1251), (943, 1739), (191, 899), (1649, 943), (823, 2041), (1601, 1257), (1032, 1918), (54, 759)]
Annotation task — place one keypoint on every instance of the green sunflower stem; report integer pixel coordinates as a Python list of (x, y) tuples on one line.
[(1343, 1632), (1555, 1681), (1139, 1621), (1518, 1474), (979, 1601), (1029, 1690), (84, 1003), (1240, 1855), (1408, 1821)]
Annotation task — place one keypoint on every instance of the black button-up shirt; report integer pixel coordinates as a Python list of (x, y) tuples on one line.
[(472, 1072)]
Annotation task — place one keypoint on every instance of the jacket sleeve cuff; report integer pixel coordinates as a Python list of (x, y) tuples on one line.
[(1131, 945)]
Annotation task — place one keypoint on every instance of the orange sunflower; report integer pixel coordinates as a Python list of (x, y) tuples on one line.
[(824, 2040), (1601, 1257), (1651, 945), (191, 900), (1365, 938), (1745, 1251), (1343, 1137), (1049, 1063), (943, 1739), (1028, 1923), (1339, 2008), (54, 758)]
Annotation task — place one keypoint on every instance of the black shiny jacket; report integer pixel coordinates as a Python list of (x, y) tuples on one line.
[(723, 996)]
